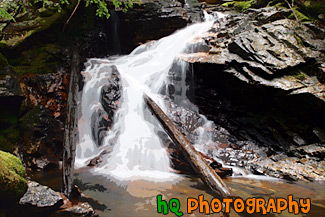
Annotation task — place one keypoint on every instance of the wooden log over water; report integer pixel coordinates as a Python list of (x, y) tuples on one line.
[(206, 173)]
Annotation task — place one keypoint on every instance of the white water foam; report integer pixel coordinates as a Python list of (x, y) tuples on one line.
[(138, 152)]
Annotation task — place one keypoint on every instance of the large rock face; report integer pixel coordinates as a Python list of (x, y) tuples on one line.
[(152, 20), (261, 77), (148, 20)]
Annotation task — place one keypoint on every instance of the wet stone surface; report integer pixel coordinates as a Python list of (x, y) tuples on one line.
[(262, 82)]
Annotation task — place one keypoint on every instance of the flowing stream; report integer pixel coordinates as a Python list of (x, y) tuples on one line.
[(137, 168), (138, 152)]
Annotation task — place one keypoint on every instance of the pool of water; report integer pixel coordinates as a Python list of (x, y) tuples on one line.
[(138, 198)]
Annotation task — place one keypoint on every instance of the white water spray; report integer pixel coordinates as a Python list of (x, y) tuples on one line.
[(138, 152)]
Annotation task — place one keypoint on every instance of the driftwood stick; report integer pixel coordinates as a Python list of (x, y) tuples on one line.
[(206, 173)]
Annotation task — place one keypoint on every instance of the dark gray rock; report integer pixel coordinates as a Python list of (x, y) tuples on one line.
[(9, 86), (303, 163), (102, 119), (262, 80)]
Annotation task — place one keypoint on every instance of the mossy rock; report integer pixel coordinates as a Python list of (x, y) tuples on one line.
[(241, 5), (306, 11), (12, 182), (37, 60), (314, 8), (301, 17), (3, 61), (9, 130)]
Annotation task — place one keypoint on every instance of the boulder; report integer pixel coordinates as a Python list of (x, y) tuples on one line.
[(12, 182), (40, 196)]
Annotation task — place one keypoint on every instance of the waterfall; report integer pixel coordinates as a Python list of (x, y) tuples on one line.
[(137, 151)]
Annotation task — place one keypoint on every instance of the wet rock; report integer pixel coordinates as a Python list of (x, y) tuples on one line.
[(310, 151), (191, 124), (111, 92), (261, 80), (40, 196), (44, 163), (75, 192), (102, 120), (98, 159), (78, 205), (43, 119), (223, 172), (49, 90), (80, 209), (43, 136), (43, 201), (179, 162), (303, 163), (93, 162), (9, 87), (148, 20), (152, 20)]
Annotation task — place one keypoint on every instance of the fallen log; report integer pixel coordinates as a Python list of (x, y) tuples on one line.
[(206, 173), (70, 128)]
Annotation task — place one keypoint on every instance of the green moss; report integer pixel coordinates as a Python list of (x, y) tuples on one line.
[(42, 24), (301, 16), (31, 119), (279, 5), (300, 76), (12, 182), (240, 5), (243, 6), (28, 123), (228, 4), (314, 8), (299, 40), (9, 130), (38, 60), (3, 61)]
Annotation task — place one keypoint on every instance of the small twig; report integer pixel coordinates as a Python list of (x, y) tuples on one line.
[(294, 13), (68, 20)]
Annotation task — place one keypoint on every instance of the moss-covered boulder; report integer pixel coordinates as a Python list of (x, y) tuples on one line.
[(304, 11), (12, 182)]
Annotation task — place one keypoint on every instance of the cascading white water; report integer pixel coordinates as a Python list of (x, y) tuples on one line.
[(214, 15), (138, 152)]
